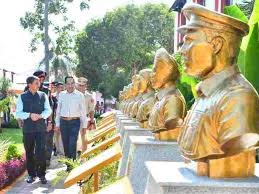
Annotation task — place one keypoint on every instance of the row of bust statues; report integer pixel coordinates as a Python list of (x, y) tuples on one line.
[(220, 131)]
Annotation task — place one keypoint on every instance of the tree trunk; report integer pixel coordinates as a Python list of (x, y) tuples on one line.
[(46, 37)]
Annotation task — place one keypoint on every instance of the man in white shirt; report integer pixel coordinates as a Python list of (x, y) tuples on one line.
[(70, 116)]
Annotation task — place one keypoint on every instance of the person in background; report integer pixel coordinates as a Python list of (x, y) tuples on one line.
[(50, 132), (97, 108), (58, 145), (102, 108), (70, 116), (33, 108), (82, 86)]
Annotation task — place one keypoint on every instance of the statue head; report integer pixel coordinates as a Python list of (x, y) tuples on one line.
[(126, 92), (135, 85), (120, 95), (130, 91), (211, 40), (145, 80), (165, 69)]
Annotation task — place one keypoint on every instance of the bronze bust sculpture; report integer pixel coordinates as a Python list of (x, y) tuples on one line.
[(169, 110), (221, 129), (148, 97)]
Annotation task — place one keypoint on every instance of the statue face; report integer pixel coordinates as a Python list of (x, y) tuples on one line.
[(135, 86), (161, 74), (142, 85), (198, 54)]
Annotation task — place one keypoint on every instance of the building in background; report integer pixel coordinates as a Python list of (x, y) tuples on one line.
[(216, 5)]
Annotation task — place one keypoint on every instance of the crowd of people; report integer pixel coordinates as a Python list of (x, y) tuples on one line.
[(52, 117)]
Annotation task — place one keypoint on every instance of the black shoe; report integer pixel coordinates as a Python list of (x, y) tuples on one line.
[(43, 180), (30, 179)]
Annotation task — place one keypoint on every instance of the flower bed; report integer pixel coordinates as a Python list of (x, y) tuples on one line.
[(10, 170)]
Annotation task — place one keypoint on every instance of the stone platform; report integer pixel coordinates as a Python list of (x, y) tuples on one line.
[(178, 177), (129, 131), (120, 118), (123, 124), (146, 148)]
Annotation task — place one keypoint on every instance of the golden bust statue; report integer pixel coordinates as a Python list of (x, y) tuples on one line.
[(133, 93), (169, 110), (221, 129), (128, 99), (148, 96), (138, 96)]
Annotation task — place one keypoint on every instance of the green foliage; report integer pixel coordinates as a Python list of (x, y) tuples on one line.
[(111, 49), (42, 24), (12, 153), (4, 104), (4, 144), (13, 123), (11, 136), (235, 11), (60, 176), (107, 176), (70, 163), (5, 84), (249, 50)]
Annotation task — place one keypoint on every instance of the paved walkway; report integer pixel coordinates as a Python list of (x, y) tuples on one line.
[(22, 187)]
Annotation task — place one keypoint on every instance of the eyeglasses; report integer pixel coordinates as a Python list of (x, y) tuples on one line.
[(42, 76)]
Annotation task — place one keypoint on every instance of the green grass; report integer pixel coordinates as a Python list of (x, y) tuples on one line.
[(12, 136)]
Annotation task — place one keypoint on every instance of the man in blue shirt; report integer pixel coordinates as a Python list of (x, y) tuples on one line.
[(33, 108)]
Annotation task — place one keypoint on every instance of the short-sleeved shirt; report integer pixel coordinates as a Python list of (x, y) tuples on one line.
[(129, 106), (135, 106), (89, 102), (169, 106), (227, 109), (146, 106)]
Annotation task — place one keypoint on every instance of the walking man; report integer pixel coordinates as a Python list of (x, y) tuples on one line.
[(70, 116), (33, 108), (50, 132), (90, 107), (58, 145)]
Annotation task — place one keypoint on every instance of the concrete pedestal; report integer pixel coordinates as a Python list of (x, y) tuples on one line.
[(178, 177), (118, 121), (123, 124), (146, 148), (129, 131)]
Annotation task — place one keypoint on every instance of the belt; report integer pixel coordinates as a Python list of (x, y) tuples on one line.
[(70, 118)]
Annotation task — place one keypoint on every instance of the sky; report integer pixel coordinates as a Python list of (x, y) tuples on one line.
[(14, 41)]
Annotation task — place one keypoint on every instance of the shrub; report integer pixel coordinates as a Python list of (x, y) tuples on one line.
[(4, 144), (10, 170), (3, 176), (12, 153), (13, 123)]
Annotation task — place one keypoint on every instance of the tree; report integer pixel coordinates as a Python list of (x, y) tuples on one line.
[(39, 24), (115, 47), (249, 49)]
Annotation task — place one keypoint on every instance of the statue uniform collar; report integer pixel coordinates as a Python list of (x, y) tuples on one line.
[(211, 84), (148, 94), (165, 91)]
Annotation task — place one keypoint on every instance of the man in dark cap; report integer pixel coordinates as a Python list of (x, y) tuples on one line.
[(49, 133)]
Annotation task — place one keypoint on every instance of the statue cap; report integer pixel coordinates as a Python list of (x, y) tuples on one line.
[(201, 17)]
